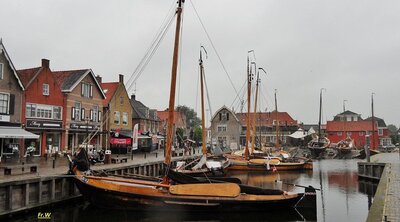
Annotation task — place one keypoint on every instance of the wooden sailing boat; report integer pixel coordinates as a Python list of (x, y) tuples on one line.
[(318, 144), (207, 165), (179, 191)]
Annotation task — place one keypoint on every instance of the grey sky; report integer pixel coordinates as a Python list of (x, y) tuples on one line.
[(351, 48)]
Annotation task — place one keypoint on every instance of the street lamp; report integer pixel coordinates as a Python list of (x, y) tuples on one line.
[(87, 133)]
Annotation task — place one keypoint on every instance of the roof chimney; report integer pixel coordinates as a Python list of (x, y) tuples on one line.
[(133, 97), (121, 78), (45, 63), (99, 79)]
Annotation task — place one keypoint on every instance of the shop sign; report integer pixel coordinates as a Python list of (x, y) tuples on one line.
[(4, 118), (120, 141), (43, 124), (83, 126)]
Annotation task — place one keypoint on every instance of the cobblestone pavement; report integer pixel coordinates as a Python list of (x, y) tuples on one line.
[(45, 167)]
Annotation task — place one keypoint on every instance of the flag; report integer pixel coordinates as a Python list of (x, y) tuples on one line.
[(135, 137)]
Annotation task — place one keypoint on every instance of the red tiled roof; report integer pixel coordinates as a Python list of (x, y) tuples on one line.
[(354, 126), (267, 118), (179, 119), (109, 89), (26, 75)]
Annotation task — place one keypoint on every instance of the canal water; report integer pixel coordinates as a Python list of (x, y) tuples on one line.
[(341, 198)]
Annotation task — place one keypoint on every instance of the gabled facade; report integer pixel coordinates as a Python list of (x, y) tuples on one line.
[(225, 128), (359, 130), (42, 110), (83, 105), (146, 118), (11, 92), (178, 122), (118, 108)]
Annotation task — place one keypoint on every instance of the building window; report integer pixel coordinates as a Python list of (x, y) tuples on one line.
[(380, 132), (348, 133), (125, 118), (57, 114), (87, 90), (95, 114), (121, 100), (46, 89), (1, 70), (339, 133), (77, 111), (361, 133), (4, 102), (116, 117), (221, 128)]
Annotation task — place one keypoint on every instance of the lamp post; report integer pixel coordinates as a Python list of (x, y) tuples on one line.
[(87, 133)]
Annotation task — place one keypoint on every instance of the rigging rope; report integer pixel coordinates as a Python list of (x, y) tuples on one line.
[(153, 47), (215, 50)]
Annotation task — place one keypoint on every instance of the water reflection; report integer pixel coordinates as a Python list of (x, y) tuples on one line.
[(342, 198)]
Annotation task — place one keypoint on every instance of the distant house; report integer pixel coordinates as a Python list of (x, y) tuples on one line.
[(11, 96), (266, 123), (117, 107), (350, 124), (225, 128), (179, 121), (42, 110), (83, 107), (146, 118)]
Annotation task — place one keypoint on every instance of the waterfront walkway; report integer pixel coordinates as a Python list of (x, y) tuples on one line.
[(386, 205), (45, 167)]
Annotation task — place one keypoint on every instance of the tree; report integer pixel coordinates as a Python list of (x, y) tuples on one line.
[(393, 133), (192, 120), (197, 134), (179, 135)]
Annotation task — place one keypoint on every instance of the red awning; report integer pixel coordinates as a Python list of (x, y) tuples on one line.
[(120, 140)]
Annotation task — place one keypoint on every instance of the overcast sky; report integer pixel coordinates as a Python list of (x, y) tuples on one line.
[(351, 48)]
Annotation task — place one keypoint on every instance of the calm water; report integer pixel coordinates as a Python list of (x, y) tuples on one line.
[(342, 198)]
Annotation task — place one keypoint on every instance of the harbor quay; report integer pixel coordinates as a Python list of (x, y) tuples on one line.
[(24, 191)]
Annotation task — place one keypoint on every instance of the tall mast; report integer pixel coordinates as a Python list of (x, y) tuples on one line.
[(254, 115), (171, 107), (277, 122), (373, 123), (344, 120), (320, 115), (203, 135), (249, 78)]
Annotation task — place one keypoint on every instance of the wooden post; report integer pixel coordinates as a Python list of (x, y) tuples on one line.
[(26, 195), (9, 198), (52, 189)]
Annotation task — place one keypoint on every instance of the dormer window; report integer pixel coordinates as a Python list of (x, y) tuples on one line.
[(46, 89), (87, 90), (1, 70)]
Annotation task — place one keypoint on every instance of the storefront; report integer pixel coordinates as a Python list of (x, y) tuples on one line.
[(120, 141), (79, 134), (10, 140), (50, 136)]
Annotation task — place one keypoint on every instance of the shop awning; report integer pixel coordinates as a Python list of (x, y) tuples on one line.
[(16, 133)]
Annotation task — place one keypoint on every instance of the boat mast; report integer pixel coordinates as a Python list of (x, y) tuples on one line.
[(344, 120), (373, 123), (204, 148), (320, 115), (254, 115), (249, 78), (277, 122), (171, 107)]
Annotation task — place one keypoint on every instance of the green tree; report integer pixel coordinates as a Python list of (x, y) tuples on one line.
[(192, 120), (197, 134), (393, 133), (179, 135)]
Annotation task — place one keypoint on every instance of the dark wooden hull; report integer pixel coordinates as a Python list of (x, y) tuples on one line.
[(112, 199), (316, 151)]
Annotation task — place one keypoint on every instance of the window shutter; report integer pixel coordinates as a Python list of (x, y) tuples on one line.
[(227, 116), (91, 91), (73, 113), (82, 114), (91, 115), (99, 116), (82, 89), (12, 104)]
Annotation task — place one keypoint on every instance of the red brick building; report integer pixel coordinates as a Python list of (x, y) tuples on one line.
[(42, 109)]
